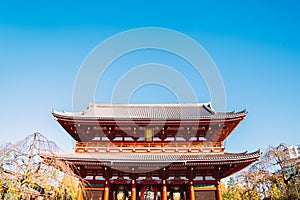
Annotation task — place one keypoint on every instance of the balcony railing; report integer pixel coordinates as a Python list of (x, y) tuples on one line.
[(149, 147)]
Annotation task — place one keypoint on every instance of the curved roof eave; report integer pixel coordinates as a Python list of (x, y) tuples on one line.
[(149, 111)]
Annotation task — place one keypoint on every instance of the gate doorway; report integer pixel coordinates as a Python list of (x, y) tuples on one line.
[(178, 192), (149, 192), (120, 192)]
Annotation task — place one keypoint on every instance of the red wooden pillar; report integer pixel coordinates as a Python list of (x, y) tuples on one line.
[(192, 192), (106, 191), (191, 185), (133, 190), (164, 191), (218, 191), (79, 194)]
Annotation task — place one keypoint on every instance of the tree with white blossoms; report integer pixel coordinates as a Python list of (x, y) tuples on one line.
[(27, 173), (275, 176)]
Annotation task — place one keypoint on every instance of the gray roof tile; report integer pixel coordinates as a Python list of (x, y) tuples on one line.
[(151, 111)]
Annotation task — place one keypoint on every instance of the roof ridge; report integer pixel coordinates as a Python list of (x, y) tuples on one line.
[(148, 104)]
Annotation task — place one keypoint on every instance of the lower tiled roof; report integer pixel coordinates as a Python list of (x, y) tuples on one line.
[(157, 158)]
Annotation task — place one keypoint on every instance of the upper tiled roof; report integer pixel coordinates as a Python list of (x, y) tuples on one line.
[(151, 111)]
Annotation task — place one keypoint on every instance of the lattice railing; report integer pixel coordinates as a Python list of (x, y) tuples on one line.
[(149, 147)]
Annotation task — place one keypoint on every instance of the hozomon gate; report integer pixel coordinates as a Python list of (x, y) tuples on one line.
[(153, 151)]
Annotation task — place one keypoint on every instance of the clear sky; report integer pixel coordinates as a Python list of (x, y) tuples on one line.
[(255, 45)]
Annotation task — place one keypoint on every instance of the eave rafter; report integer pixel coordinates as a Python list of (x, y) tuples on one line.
[(219, 165), (213, 131)]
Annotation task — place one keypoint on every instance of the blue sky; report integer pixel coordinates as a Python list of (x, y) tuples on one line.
[(255, 45)]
